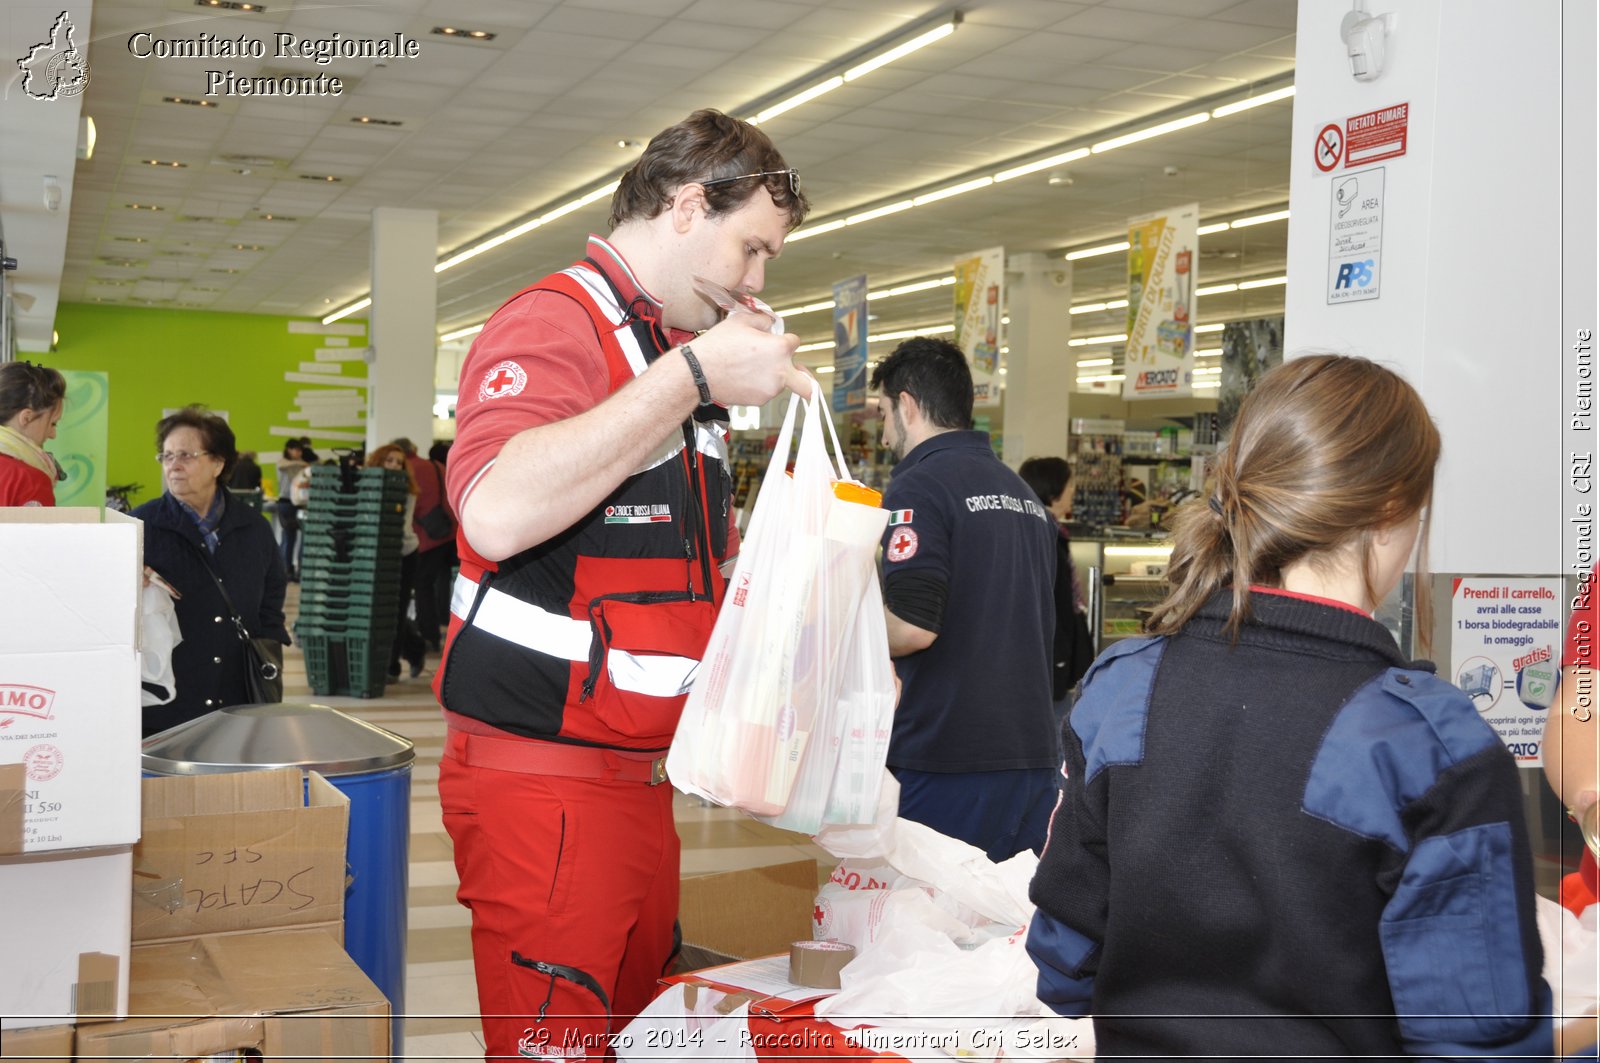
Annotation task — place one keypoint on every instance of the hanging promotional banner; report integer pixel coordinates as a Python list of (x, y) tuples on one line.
[(1505, 648), (80, 446), (980, 295), (850, 344), (1162, 254)]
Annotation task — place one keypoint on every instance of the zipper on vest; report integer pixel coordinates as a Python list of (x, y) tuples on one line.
[(699, 504)]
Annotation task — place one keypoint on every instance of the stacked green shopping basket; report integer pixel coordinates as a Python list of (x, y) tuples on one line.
[(350, 577)]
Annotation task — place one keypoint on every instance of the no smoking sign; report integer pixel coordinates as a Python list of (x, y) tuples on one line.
[(1329, 148)]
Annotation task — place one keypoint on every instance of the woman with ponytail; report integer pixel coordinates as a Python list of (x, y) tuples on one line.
[(1278, 836)]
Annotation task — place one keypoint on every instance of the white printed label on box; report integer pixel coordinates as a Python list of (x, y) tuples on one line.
[(1355, 236), (71, 720), (1505, 648)]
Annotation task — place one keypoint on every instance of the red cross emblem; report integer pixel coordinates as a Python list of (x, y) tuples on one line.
[(505, 378), (902, 544)]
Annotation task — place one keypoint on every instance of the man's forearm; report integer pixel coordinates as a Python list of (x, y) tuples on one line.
[(546, 478), (906, 637)]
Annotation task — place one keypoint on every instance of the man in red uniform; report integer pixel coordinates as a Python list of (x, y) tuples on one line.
[(589, 473)]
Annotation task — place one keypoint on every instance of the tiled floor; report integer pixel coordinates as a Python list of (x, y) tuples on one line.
[(441, 995)]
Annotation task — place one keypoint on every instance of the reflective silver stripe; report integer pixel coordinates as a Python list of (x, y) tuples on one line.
[(522, 622), (657, 675)]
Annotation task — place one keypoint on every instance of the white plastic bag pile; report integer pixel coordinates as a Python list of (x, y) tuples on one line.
[(790, 713), (940, 934)]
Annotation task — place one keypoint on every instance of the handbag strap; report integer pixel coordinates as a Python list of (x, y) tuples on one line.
[(227, 600)]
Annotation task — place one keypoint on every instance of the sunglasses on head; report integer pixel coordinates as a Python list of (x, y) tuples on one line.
[(794, 179)]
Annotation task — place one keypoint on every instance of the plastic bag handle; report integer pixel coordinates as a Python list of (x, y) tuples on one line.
[(833, 433)]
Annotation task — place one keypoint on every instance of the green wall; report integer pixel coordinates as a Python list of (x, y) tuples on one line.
[(155, 359)]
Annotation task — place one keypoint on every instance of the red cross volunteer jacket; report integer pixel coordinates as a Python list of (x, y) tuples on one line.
[(594, 636)]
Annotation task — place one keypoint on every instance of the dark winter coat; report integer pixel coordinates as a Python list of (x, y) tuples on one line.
[(209, 663)]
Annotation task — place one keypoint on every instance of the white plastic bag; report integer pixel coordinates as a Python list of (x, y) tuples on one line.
[(159, 635), (688, 1022), (770, 676)]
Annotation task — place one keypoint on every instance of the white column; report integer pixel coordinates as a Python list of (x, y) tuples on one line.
[(1040, 367), (401, 326), (1470, 304)]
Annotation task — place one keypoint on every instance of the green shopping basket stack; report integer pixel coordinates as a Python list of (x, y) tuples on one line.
[(350, 577)]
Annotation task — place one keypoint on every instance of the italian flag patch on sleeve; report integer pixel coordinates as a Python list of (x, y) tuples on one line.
[(899, 516)]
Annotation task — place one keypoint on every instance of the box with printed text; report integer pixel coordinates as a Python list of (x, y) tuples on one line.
[(69, 678)]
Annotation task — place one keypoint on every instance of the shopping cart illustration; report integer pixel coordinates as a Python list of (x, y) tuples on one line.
[(1479, 681)]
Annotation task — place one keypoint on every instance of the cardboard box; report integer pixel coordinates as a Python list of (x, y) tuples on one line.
[(37, 1045), (285, 994), (69, 678), (241, 851), (738, 915), (64, 938)]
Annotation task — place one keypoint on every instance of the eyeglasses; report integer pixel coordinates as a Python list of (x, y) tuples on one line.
[(180, 457), (794, 179)]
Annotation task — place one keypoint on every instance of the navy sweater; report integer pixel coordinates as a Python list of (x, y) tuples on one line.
[(1299, 845)]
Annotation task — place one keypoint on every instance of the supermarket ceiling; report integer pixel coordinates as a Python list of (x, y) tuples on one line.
[(263, 204)]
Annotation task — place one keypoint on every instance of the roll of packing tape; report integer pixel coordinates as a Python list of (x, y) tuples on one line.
[(817, 963)]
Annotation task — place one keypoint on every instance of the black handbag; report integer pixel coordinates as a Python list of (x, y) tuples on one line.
[(263, 657)]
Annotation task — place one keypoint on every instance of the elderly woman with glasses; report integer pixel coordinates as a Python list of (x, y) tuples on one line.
[(195, 536)]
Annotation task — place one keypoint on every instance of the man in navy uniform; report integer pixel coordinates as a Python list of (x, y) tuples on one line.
[(969, 565)]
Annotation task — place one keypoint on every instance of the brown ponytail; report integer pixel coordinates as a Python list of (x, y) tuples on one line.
[(1326, 451)]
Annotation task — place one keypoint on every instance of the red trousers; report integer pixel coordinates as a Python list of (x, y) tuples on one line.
[(573, 887)]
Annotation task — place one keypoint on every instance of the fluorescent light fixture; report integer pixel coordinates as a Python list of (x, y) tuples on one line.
[(917, 286), (823, 370), (1217, 289), (1207, 230), (878, 212), (1264, 282), (906, 334), (1137, 551), (1043, 164), (900, 51), (953, 190), (1089, 308), (815, 230), (1096, 363), (1214, 352), (1104, 378), (1095, 341), (1208, 371), (1258, 219), (826, 345), (1092, 252), (804, 96), (359, 304), (1206, 384), (1153, 131), (1215, 326), (1253, 101), (462, 333)]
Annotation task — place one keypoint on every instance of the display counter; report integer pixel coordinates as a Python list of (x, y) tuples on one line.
[(1122, 576)]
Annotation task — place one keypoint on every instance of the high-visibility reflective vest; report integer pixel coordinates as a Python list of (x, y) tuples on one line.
[(595, 635)]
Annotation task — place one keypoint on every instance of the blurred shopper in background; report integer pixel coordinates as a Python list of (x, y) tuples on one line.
[(32, 398), (969, 562), (1278, 836), (297, 456), (195, 535), (435, 526), (246, 473), (407, 640), (1051, 480)]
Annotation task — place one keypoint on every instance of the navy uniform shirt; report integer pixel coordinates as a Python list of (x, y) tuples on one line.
[(978, 699)]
